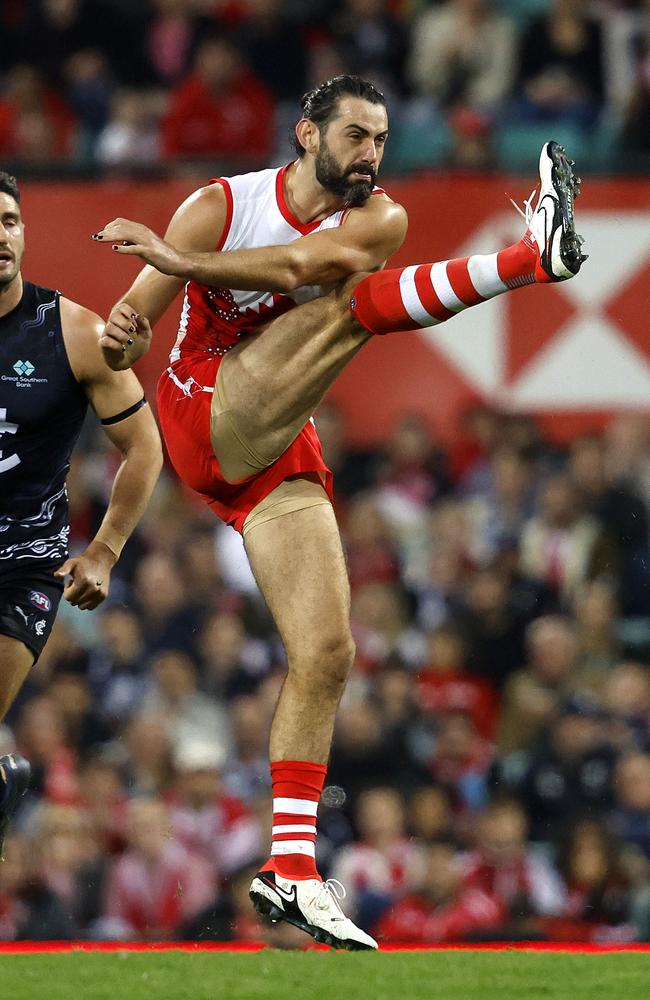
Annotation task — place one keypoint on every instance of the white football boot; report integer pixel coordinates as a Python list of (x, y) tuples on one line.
[(311, 905), (551, 229)]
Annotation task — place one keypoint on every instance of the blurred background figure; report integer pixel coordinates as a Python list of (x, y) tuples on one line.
[(156, 884)]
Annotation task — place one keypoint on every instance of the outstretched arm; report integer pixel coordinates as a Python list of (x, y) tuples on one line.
[(367, 238), (117, 399)]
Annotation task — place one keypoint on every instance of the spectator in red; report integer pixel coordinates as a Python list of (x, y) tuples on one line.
[(445, 909), (103, 798), (522, 882), (563, 545), (444, 685), (413, 473), (156, 884), (385, 861), (169, 37), (35, 123), (220, 109)]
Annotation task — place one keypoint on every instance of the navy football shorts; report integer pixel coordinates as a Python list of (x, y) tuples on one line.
[(29, 600)]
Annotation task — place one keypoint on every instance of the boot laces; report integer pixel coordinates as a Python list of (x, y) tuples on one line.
[(329, 893), (527, 211)]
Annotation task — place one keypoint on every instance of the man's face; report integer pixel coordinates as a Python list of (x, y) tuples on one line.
[(12, 239), (351, 148)]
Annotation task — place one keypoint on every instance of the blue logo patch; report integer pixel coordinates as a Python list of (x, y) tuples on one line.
[(41, 601), (24, 368)]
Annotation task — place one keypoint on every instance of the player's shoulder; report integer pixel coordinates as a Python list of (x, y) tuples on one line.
[(380, 210), (221, 189), (81, 328), (78, 321)]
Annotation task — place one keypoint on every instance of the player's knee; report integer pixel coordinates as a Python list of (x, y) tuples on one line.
[(343, 298), (326, 662)]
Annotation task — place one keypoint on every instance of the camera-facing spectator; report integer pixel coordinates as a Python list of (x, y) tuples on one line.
[(204, 817), (443, 908), (506, 869), (532, 695), (220, 109), (385, 863), (156, 884)]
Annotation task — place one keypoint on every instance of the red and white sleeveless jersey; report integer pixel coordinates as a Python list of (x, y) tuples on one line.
[(214, 319)]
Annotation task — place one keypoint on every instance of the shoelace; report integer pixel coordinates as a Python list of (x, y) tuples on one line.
[(527, 211), (331, 891)]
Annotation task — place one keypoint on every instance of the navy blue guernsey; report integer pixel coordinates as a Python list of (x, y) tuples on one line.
[(42, 408)]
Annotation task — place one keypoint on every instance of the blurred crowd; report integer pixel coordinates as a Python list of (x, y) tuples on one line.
[(490, 774), (109, 84)]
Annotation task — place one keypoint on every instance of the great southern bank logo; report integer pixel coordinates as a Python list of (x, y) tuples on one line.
[(24, 377), (24, 368)]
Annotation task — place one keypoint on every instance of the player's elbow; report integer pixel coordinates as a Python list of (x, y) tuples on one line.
[(295, 272), (307, 268)]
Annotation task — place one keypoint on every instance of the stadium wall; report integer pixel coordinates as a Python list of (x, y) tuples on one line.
[(572, 353)]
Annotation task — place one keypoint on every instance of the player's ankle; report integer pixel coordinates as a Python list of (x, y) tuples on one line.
[(292, 867)]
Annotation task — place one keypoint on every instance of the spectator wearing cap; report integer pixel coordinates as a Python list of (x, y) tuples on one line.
[(203, 816)]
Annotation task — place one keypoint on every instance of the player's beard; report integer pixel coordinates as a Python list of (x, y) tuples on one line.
[(330, 176)]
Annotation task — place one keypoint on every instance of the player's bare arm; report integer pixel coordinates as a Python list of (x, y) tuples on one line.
[(112, 395), (367, 238), (196, 225)]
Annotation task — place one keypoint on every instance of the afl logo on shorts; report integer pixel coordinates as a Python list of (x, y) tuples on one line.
[(40, 600)]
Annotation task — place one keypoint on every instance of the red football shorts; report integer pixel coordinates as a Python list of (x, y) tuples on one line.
[(184, 401)]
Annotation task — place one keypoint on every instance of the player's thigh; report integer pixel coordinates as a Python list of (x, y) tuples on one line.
[(299, 565), (293, 359)]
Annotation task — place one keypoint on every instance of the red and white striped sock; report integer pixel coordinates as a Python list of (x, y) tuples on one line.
[(427, 294), (297, 788)]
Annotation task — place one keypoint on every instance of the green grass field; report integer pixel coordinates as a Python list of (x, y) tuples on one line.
[(272, 975)]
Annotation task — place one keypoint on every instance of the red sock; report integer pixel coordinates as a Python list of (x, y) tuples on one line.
[(423, 295), (297, 788)]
